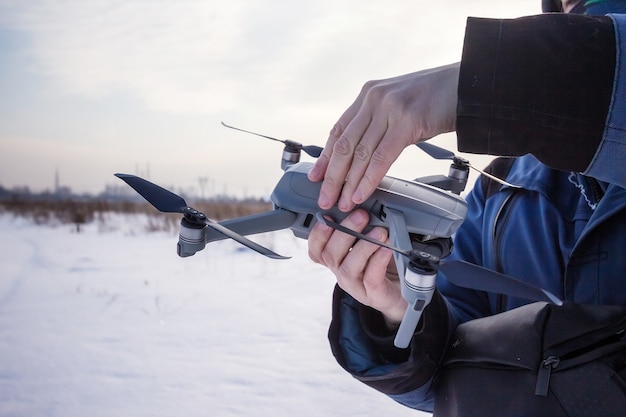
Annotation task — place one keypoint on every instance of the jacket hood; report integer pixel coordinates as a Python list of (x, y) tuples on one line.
[(592, 7)]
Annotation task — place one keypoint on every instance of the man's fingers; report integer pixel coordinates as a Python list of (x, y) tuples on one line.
[(375, 283), (341, 160), (319, 168), (356, 266), (318, 237), (365, 149), (328, 246), (387, 150)]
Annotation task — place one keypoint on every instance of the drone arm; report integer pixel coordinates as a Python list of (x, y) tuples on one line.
[(256, 223), (193, 237)]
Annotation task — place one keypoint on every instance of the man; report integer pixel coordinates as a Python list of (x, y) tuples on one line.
[(549, 90)]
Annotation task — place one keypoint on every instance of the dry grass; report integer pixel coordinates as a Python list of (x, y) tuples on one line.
[(80, 211)]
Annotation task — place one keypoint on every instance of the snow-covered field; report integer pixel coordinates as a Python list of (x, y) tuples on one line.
[(111, 322)]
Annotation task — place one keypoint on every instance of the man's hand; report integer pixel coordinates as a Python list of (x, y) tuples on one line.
[(387, 116), (361, 268)]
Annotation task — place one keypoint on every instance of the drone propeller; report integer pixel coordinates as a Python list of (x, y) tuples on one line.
[(320, 218), (168, 202), (465, 274), (468, 275), (311, 150), (441, 153)]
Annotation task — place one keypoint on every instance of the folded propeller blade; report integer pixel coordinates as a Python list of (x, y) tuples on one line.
[(311, 150), (162, 199), (244, 240), (168, 202), (468, 275), (441, 153), (436, 151), (465, 274)]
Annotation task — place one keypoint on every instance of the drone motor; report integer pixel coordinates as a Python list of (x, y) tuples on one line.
[(192, 238), (292, 150)]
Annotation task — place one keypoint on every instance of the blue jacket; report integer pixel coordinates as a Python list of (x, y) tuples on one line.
[(562, 231)]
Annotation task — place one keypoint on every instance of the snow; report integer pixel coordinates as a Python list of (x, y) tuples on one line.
[(111, 322)]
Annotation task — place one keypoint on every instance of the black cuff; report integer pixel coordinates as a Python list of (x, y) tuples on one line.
[(381, 336), (416, 365), (540, 84), (429, 337)]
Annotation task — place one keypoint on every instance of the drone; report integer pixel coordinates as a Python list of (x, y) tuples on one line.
[(421, 216)]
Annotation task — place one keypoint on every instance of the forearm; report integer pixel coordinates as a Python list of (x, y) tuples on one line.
[(540, 85)]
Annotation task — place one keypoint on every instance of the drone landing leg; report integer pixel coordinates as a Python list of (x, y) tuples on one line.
[(417, 278)]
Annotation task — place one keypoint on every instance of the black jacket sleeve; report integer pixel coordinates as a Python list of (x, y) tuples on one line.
[(539, 84), (414, 366)]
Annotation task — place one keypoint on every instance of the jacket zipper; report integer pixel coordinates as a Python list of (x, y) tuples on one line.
[(499, 224), (596, 189)]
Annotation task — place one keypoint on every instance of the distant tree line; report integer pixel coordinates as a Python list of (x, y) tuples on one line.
[(67, 208)]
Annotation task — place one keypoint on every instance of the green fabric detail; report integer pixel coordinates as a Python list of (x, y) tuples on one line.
[(591, 2)]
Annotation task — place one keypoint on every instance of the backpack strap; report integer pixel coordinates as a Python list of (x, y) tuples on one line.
[(500, 168)]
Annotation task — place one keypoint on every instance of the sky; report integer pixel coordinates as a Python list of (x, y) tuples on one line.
[(91, 88)]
